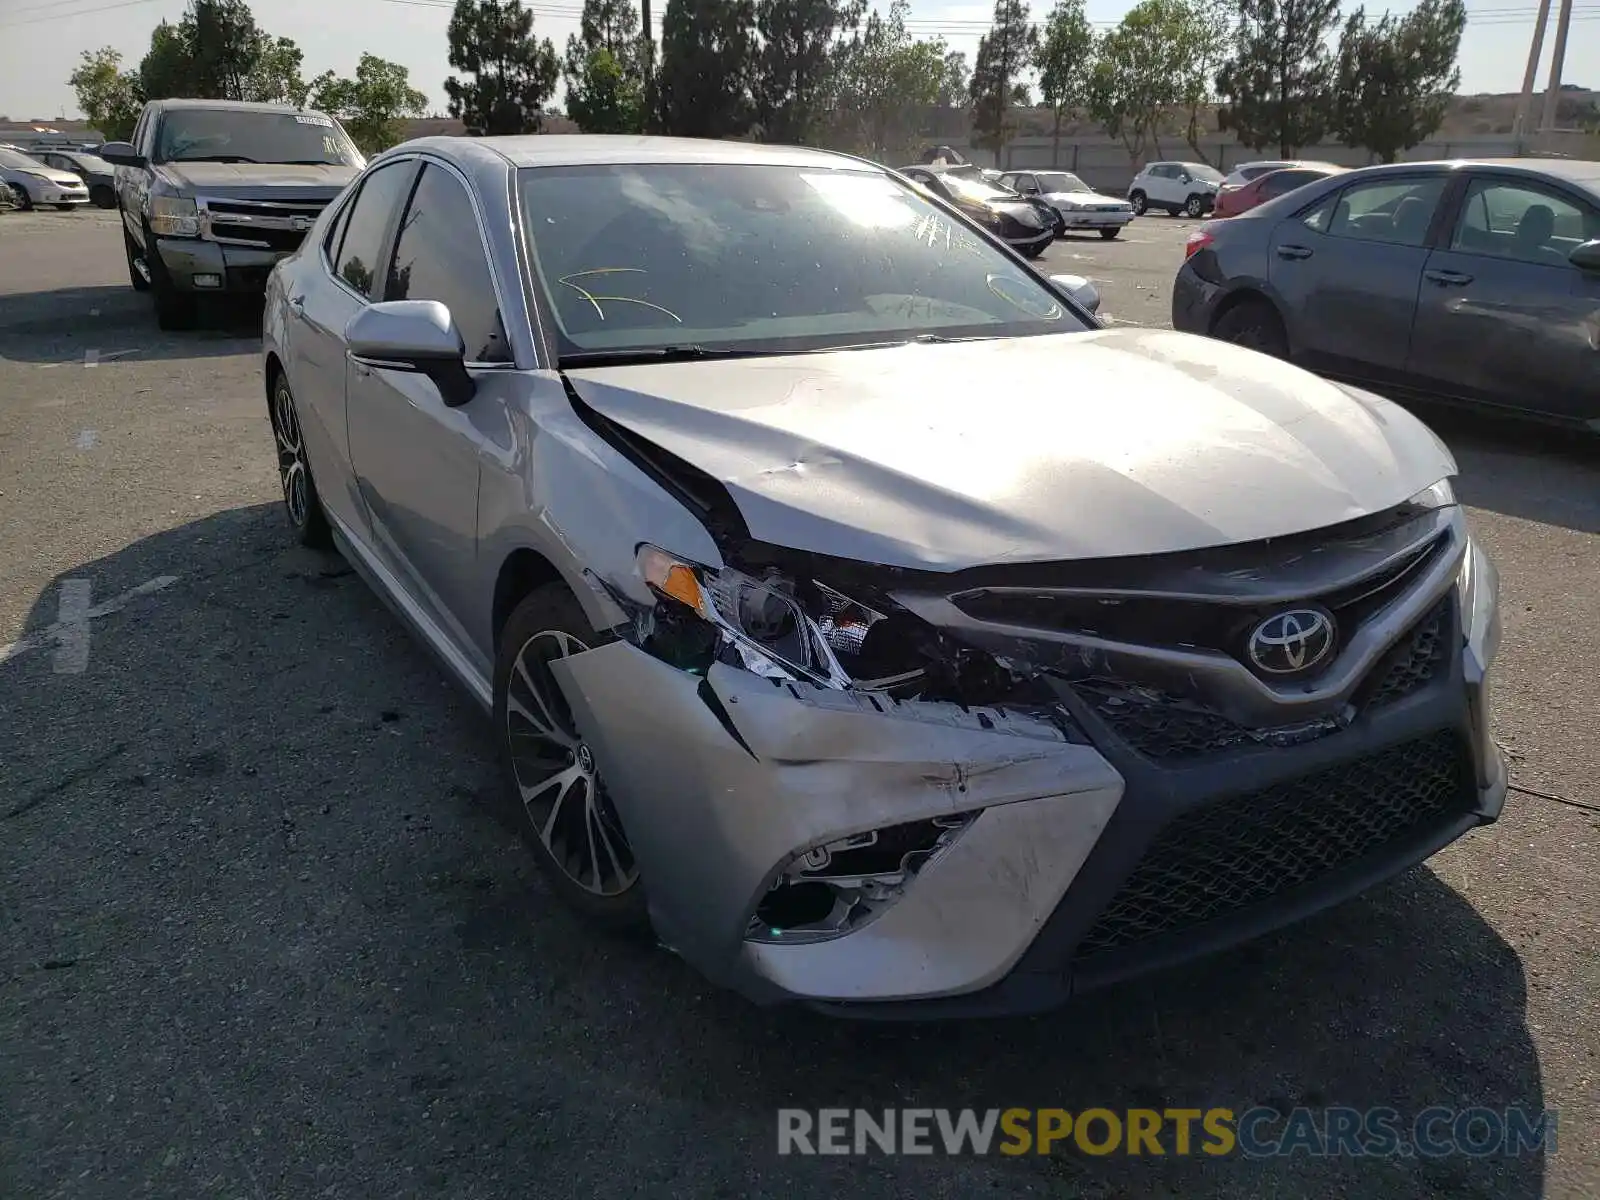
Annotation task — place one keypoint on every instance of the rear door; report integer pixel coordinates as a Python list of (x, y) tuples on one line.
[(1348, 272), (1504, 318), (323, 294)]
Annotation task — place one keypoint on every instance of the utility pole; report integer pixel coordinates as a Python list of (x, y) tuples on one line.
[(650, 67), (1519, 125), (1563, 22)]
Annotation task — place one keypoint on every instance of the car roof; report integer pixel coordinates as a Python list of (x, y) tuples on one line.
[(1571, 170), (573, 149), (174, 104)]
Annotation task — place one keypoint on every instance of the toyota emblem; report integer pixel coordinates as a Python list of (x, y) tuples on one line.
[(1292, 642)]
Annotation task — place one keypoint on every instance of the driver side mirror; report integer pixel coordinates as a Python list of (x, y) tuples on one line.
[(1586, 257), (413, 335), (1080, 289), (122, 154)]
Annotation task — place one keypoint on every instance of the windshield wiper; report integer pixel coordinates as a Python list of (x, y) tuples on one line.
[(619, 358), (221, 158), (306, 162)]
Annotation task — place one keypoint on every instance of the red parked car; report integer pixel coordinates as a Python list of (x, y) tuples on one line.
[(1231, 201)]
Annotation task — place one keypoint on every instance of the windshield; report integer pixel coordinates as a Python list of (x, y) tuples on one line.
[(242, 135), (1060, 181), (88, 162), (978, 190), (1201, 171), (764, 259), (19, 161)]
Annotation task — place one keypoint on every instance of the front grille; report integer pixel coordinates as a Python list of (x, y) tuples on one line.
[(1160, 727), (1243, 851), (1167, 729), (266, 223), (1412, 663)]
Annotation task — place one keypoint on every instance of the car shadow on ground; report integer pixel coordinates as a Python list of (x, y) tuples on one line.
[(1520, 468), (267, 910), (61, 325)]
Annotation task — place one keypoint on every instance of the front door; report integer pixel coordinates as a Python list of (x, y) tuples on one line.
[(1504, 317), (416, 458), (1349, 271)]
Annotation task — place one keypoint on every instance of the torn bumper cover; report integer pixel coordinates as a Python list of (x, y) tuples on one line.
[(1017, 865)]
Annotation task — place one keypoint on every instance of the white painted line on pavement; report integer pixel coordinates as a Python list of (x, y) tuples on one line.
[(87, 439), (53, 633), (72, 627)]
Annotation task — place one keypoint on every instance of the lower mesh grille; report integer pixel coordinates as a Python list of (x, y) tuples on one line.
[(1239, 852), (1414, 661)]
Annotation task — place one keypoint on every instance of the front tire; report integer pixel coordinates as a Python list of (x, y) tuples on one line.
[(1255, 325), (1109, 234), (1195, 205), (102, 197), (1139, 204), (552, 782), (300, 501)]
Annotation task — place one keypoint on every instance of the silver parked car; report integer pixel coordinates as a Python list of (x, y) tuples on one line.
[(820, 637), (36, 184)]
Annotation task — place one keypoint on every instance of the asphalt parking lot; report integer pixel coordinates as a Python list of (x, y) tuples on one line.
[(264, 933)]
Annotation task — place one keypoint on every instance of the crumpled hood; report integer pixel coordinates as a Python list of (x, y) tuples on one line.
[(1101, 444), (291, 181)]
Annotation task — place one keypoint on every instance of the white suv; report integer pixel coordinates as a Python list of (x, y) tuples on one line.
[(1177, 187)]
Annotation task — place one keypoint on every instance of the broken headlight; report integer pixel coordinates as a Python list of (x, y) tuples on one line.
[(761, 619)]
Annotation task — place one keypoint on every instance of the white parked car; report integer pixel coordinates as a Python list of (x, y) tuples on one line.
[(1177, 187), (1080, 206), (37, 184)]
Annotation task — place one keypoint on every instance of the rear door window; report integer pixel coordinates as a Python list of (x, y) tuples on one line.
[(1397, 211)]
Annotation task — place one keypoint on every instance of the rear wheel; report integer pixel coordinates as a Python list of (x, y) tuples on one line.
[(1139, 203), (1255, 325), (551, 778), (1036, 251), (1109, 234), (300, 500)]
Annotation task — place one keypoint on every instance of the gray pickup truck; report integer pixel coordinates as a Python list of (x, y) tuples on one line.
[(213, 192)]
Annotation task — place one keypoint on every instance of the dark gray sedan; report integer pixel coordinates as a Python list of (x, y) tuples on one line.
[(1476, 282)]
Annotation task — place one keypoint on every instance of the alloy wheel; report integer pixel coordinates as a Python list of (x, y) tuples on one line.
[(1196, 206), (292, 470), (557, 779)]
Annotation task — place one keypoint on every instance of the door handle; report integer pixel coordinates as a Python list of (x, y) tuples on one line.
[(298, 303), (1447, 278), (1294, 252)]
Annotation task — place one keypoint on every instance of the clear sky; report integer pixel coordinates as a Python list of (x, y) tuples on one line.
[(40, 40)]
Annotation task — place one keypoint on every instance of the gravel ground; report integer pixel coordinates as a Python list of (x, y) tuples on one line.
[(268, 934)]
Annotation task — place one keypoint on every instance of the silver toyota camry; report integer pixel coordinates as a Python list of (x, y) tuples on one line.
[(854, 609)]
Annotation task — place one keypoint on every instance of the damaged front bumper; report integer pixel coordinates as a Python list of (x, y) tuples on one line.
[(1047, 864)]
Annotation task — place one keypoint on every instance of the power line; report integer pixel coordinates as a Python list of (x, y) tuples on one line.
[(80, 13)]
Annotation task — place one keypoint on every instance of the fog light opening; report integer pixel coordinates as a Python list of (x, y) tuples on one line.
[(208, 281), (793, 905)]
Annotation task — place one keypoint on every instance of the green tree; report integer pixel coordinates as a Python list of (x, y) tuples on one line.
[(1004, 53), (1277, 88), (954, 80), (792, 86), (1395, 78), (1137, 80), (708, 60), (512, 73), (275, 77), (1203, 36), (165, 69), (888, 82), (373, 105), (1066, 55), (109, 96), (604, 69)]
